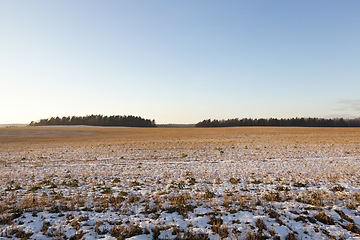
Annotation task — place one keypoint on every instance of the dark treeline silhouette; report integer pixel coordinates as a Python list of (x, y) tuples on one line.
[(97, 120), (289, 122)]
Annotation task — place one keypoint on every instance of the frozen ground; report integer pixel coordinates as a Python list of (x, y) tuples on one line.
[(236, 186)]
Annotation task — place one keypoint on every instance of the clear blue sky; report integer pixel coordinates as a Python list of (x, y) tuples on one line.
[(179, 61)]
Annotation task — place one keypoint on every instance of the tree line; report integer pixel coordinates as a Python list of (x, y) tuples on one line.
[(289, 122), (97, 120)]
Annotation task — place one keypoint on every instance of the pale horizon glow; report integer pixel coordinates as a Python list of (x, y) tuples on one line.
[(179, 61)]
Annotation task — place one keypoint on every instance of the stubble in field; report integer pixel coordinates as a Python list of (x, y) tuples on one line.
[(235, 183)]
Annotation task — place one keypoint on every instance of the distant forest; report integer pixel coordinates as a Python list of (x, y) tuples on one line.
[(289, 122), (97, 120)]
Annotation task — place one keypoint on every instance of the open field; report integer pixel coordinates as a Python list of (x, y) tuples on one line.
[(170, 183)]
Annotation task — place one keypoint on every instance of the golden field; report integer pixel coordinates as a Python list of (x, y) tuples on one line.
[(63, 135)]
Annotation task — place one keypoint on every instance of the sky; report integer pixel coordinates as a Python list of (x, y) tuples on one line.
[(179, 61)]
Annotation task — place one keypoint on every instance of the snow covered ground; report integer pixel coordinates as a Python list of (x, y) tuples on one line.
[(246, 186)]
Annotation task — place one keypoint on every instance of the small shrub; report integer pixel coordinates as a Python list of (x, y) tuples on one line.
[(134, 230), (299, 184), (148, 210), (260, 224), (181, 184), (291, 236), (351, 206), (216, 226), (77, 236), (311, 219), (45, 227), (344, 216), (234, 181), (275, 215), (256, 181), (116, 200), (16, 213), (352, 228), (106, 190), (22, 234), (181, 209), (272, 197), (233, 210), (282, 188), (45, 182), (76, 224), (71, 183), (35, 188), (300, 218), (133, 198), (178, 200), (209, 194), (338, 188), (122, 193), (135, 183), (218, 180), (322, 217), (58, 195), (191, 180), (54, 209), (156, 232), (250, 235), (193, 236), (272, 232)]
